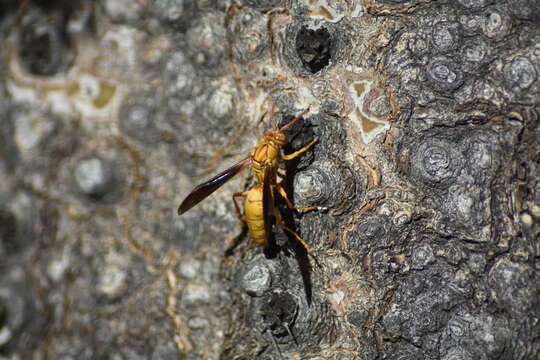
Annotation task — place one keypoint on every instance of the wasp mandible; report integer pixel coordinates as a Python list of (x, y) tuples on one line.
[(259, 206)]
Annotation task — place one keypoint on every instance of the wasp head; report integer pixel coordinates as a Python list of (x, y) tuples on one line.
[(276, 137)]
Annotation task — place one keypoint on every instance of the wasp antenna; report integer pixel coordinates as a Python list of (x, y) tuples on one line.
[(298, 117), (263, 116), (273, 116)]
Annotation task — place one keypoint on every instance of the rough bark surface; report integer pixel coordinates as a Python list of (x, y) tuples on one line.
[(426, 175)]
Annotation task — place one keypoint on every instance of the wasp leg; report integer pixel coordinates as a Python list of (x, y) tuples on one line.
[(289, 230), (236, 207), (304, 244), (302, 150), (283, 194)]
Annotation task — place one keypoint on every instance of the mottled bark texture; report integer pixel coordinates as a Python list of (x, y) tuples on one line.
[(425, 175)]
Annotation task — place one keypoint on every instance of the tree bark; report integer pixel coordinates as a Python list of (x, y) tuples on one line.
[(425, 174)]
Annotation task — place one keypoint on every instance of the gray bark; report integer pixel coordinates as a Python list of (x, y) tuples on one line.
[(425, 175)]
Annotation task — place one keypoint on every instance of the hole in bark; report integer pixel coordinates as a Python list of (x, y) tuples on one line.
[(314, 48)]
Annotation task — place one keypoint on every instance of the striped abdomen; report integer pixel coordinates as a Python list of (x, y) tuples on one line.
[(254, 213)]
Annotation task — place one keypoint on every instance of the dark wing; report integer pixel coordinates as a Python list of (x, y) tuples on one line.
[(202, 191), (268, 205)]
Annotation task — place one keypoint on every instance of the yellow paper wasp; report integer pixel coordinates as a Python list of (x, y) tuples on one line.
[(259, 203)]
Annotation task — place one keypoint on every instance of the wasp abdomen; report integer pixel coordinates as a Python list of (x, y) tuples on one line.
[(254, 213)]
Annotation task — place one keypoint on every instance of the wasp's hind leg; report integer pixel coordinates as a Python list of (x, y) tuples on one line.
[(236, 207), (233, 242), (297, 237)]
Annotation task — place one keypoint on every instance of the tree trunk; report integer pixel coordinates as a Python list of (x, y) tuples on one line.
[(424, 243)]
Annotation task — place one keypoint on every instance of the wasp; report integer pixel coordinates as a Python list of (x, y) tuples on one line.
[(259, 206)]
